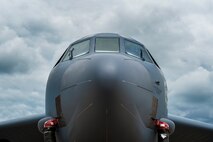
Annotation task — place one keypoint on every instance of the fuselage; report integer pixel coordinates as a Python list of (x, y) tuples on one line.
[(105, 91)]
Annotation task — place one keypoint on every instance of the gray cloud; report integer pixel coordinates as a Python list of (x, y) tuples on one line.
[(12, 58), (191, 95), (33, 35)]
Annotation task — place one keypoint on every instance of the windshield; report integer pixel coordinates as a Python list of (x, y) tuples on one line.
[(77, 49), (136, 50), (107, 44)]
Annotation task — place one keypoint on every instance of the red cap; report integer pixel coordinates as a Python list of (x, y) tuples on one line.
[(161, 125), (51, 123)]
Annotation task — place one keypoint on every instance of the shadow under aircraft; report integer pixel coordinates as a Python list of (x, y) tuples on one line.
[(106, 88)]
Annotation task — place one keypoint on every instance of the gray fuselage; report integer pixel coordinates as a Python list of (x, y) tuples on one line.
[(106, 96)]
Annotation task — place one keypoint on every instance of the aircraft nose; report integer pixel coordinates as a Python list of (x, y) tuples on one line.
[(106, 75)]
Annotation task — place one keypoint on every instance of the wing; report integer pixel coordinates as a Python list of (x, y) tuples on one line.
[(187, 130), (21, 130)]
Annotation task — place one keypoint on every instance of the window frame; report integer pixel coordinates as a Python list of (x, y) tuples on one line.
[(142, 48), (130, 53), (73, 44), (119, 46)]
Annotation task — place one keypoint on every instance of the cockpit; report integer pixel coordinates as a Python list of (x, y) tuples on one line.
[(107, 43)]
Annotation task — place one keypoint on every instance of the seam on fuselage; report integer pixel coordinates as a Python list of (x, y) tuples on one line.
[(134, 84)]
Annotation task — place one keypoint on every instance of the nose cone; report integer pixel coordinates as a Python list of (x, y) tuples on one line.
[(106, 74), (107, 100)]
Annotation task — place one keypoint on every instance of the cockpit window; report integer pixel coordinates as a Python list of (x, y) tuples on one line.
[(77, 49), (107, 44), (146, 56), (136, 50)]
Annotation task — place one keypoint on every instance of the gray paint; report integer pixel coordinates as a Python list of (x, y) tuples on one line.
[(117, 83), (108, 97)]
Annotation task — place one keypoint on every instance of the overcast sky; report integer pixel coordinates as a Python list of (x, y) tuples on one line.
[(34, 34)]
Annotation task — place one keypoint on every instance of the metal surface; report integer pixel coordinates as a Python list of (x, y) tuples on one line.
[(106, 97)]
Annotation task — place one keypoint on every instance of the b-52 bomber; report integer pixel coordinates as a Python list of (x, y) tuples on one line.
[(106, 88)]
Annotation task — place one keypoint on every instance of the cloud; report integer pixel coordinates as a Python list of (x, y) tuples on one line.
[(191, 95), (33, 35), (15, 56)]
